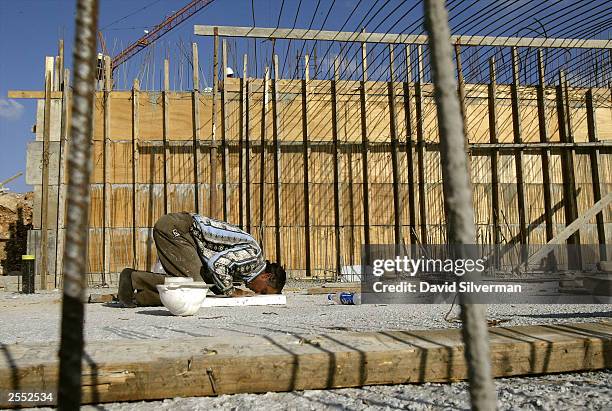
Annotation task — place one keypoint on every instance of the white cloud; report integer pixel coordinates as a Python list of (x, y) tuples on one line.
[(10, 109)]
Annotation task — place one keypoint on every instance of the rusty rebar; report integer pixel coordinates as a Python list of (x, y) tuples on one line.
[(77, 205), (458, 199)]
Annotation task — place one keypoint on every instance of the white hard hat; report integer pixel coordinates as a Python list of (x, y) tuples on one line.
[(229, 71)]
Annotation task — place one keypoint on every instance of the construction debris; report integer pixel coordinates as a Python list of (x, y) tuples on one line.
[(15, 221)]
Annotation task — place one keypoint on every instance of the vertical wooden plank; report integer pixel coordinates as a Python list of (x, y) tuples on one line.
[(305, 92), (365, 146), (108, 85), (135, 167), (243, 133), (595, 161), (165, 128), (545, 155), (59, 221), (462, 100), (336, 166), (60, 64), (351, 201), (61, 195), (262, 160), (494, 139), (247, 150), (394, 162), (213, 147), (44, 202), (407, 86), (421, 147), (518, 154), (277, 160), (56, 74), (166, 75), (224, 144), (567, 164), (196, 129)]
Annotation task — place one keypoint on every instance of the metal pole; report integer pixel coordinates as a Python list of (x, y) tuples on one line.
[(458, 197), (79, 165)]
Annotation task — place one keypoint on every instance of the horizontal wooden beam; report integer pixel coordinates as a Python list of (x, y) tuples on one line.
[(233, 143), (32, 94), (128, 370), (360, 37)]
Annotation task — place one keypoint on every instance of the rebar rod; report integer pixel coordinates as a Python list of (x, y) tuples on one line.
[(77, 205), (458, 197)]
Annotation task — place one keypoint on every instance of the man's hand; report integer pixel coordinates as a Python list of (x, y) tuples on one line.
[(239, 292)]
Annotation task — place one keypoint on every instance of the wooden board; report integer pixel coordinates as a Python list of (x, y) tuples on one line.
[(392, 38), (216, 301), (129, 370)]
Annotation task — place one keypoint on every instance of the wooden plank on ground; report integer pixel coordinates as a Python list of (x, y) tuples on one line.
[(222, 301), (101, 298), (129, 370)]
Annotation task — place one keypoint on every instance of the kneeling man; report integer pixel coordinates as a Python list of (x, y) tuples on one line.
[(190, 245)]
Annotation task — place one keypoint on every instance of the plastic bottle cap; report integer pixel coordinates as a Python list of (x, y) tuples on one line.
[(28, 257)]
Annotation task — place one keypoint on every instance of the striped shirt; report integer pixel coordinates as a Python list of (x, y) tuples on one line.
[(227, 252)]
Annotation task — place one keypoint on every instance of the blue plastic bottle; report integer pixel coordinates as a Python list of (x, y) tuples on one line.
[(344, 298)]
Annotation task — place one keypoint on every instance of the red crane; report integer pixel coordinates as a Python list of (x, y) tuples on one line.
[(165, 26)]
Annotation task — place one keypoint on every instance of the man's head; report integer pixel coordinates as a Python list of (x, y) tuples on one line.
[(270, 281)]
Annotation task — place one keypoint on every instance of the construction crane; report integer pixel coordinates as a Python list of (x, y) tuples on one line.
[(164, 27), (3, 190)]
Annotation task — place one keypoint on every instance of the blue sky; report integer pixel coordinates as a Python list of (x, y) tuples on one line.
[(30, 29)]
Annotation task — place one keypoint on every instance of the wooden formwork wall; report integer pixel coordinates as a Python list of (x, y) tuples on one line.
[(146, 140)]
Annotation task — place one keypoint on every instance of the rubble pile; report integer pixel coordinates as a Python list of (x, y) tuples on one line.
[(15, 221)]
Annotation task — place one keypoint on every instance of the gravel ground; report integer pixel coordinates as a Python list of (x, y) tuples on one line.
[(308, 314), (584, 391), (304, 314)]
